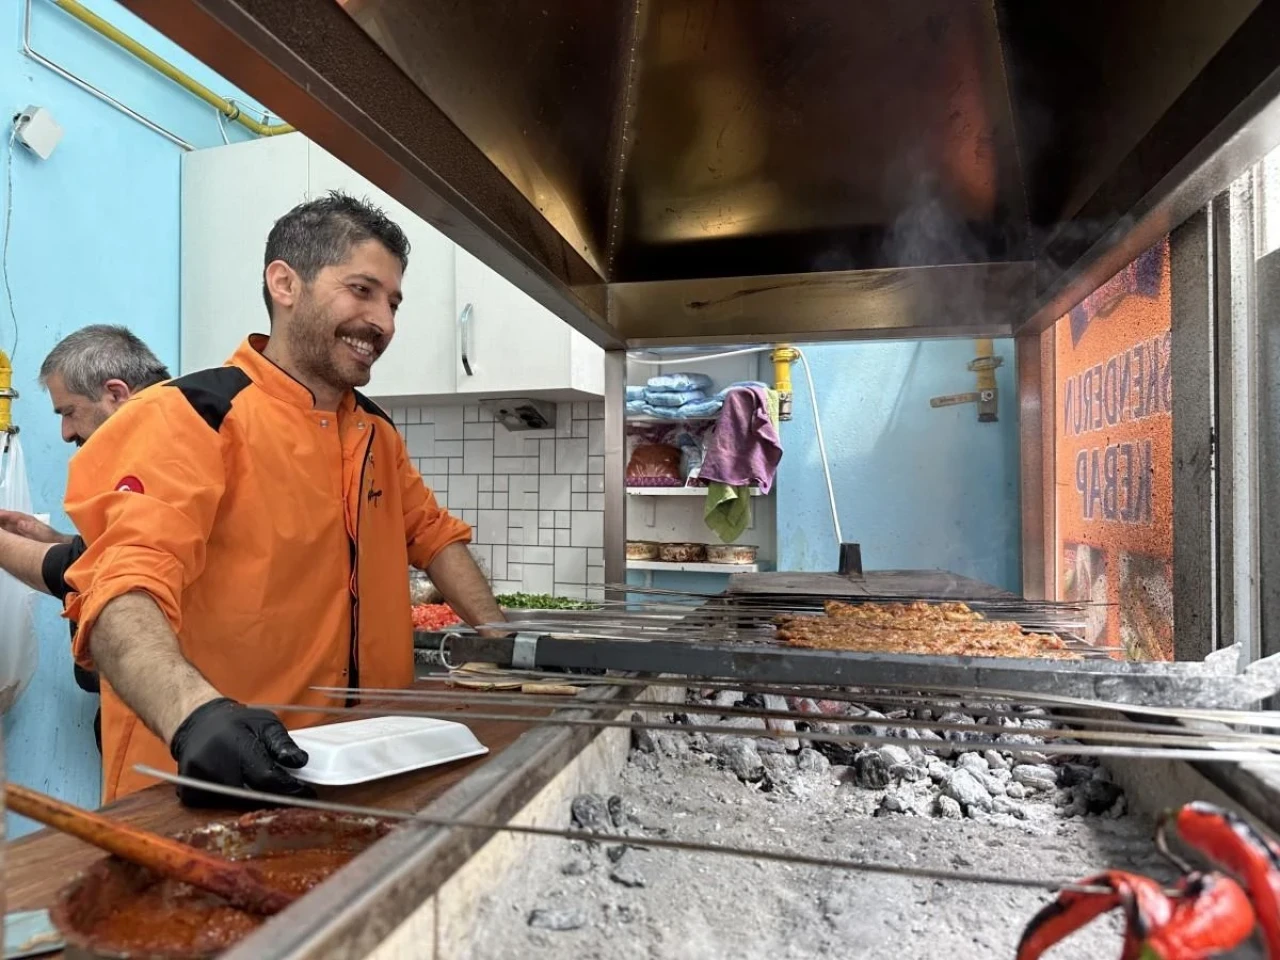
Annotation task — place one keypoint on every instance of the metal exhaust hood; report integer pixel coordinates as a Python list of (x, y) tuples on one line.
[(671, 171)]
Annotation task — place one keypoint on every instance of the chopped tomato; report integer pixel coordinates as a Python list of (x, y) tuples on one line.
[(434, 616)]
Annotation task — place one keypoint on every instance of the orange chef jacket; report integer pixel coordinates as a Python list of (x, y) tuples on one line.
[(275, 537)]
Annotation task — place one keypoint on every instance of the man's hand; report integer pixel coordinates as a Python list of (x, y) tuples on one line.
[(226, 742), (25, 525)]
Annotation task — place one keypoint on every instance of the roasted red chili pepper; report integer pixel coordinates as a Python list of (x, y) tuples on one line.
[(1232, 844), (1145, 904), (1211, 916)]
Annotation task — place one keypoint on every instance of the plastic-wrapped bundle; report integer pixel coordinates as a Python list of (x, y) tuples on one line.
[(678, 382)]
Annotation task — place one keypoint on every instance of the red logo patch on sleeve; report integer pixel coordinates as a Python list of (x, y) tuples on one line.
[(129, 485)]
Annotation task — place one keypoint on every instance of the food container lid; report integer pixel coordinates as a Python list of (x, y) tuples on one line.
[(361, 750)]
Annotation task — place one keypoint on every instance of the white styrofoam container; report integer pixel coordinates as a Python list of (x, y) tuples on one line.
[(361, 750)]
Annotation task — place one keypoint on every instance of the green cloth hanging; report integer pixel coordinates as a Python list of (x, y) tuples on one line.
[(728, 510)]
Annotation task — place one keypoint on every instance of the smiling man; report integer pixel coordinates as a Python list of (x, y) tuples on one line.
[(250, 527)]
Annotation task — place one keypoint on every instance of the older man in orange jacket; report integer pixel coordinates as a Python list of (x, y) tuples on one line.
[(250, 527)]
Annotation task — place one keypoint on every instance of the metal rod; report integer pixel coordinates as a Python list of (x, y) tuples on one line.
[(1165, 736), (660, 843), (1208, 753)]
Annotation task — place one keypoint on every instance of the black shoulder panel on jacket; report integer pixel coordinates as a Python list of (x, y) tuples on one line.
[(210, 392), (369, 407)]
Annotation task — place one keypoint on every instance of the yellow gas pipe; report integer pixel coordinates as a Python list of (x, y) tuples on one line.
[(783, 356), (7, 396), (188, 83), (984, 364)]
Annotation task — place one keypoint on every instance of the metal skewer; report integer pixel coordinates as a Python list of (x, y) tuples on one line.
[(1161, 735), (660, 843), (1207, 752)]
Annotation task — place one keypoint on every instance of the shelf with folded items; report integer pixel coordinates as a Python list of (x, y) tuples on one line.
[(678, 492), (701, 566), (645, 418)]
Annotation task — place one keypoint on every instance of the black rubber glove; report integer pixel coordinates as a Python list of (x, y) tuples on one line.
[(226, 742)]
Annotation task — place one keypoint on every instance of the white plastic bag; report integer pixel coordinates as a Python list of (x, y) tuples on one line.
[(19, 650)]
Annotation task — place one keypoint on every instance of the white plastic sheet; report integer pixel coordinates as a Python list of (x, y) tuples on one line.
[(18, 647)]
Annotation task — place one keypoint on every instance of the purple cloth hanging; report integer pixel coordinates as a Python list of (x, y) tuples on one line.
[(744, 449)]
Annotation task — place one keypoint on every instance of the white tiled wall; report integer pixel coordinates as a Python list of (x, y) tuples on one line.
[(534, 498)]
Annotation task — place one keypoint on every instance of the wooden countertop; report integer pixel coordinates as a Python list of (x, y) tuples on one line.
[(38, 865)]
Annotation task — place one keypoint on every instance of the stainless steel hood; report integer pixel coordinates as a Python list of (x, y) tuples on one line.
[(660, 171)]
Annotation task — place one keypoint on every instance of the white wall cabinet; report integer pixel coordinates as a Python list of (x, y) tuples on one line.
[(514, 347)]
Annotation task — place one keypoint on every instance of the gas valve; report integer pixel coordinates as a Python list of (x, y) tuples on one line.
[(987, 395)]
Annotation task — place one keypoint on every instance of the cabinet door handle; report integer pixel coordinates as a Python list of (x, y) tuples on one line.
[(464, 331)]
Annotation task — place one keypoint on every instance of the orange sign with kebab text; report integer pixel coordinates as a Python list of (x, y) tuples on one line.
[(1113, 458)]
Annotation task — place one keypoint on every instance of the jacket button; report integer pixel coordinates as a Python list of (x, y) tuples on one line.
[(324, 423)]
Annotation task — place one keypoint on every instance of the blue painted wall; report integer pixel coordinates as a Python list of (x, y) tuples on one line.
[(919, 488), (93, 238)]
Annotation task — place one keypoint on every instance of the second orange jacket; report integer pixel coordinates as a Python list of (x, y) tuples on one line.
[(275, 537)]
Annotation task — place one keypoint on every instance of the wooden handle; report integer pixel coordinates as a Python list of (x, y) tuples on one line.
[(239, 884)]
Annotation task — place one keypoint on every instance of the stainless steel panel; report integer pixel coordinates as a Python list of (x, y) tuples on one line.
[(1034, 487), (615, 452)]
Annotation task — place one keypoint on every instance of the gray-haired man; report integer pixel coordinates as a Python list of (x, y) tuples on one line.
[(89, 375)]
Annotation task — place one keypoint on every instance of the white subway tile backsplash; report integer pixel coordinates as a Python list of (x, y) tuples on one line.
[(564, 420), (546, 519), (539, 555), (553, 493), (595, 557), (493, 526), (477, 431), (531, 465), (562, 538), (595, 410), (420, 439), (595, 575), (477, 456), (515, 535), (578, 483), (563, 520), (498, 567), (507, 443), (579, 428), (469, 517), (587, 529), (572, 591), (463, 493), (483, 554), (538, 579), (595, 438), (508, 464), (571, 455), (486, 484), (448, 421), (414, 415), (515, 572), (546, 456), (470, 414), (447, 448), (578, 501), (531, 446), (595, 594), (571, 565), (486, 499), (455, 465), (500, 485), (595, 484), (595, 501), (500, 501), (483, 415), (579, 411), (531, 501), (515, 554), (595, 465), (547, 538)]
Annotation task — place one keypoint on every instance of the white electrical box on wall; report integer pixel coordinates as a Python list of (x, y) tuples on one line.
[(36, 130)]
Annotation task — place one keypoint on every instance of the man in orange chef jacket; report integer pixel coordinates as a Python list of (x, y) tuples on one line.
[(250, 527)]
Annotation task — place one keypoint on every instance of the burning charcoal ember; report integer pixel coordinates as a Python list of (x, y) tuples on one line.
[(996, 760), (1008, 807), (940, 772), (804, 705), (1097, 795), (590, 811), (621, 811), (840, 708), (641, 738), (741, 757), (894, 755), (1070, 774), (870, 770), (948, 808), (564, 918), (968, 791), (576, 868), (626, 874), (728, 698), (811, 761), (1035, 776)]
